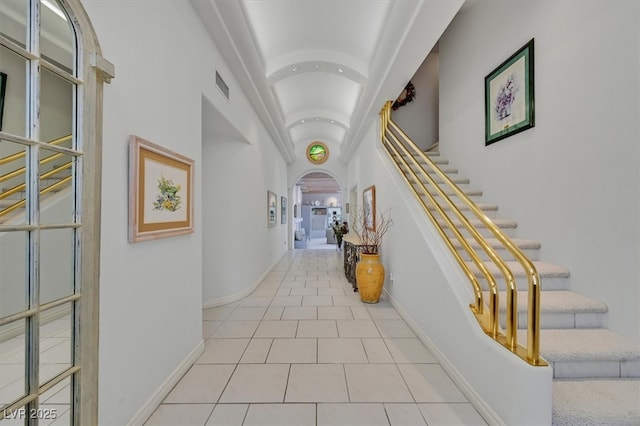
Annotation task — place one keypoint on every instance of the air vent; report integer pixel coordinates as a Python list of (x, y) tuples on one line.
[(222, 85)]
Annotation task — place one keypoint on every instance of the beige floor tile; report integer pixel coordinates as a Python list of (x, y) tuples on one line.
[(334, 312), (383, 312), (316, 383), (281, 415), (228, 415), (376, 383), (273, 313), (408, 351), (180, 414), (217, 314), (331, 291), (352, 415), (203, 383), (360, 312), (304, 291), (451, 414), (287, 301), (277, 329), (317, 301), (394, 328), (236, 329), (405, 415), (357, 328), (208, 327), (288, 351), (347, 300), (256, 301), (284, 291), (257, 351), (300, 313), (317, 328), (341, 351), (314, 282), (377, 351), (430, 383), (223, 351), (247, 313), (257, 383)]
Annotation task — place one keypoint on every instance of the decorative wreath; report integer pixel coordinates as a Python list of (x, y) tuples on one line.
[(405, 97)]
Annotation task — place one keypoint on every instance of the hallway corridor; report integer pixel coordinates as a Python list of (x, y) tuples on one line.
[(303, 350)]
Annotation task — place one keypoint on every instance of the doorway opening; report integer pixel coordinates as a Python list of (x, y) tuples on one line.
[(318, 206)]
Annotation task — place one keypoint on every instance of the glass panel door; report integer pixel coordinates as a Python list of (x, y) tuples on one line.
[(40, 225)]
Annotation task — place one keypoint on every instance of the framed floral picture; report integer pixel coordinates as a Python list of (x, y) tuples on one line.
[(272, 200), (369, 207), (160, 192), (509, 96)]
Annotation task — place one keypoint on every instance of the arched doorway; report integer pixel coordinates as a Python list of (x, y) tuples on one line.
[(318, 203)]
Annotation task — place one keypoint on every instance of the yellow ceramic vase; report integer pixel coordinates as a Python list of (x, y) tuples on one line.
[(370, 277)]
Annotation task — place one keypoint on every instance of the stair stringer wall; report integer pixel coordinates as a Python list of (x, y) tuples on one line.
[(432, 293)]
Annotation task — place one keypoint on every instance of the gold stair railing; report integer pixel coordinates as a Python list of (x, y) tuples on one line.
[(5, 193), (405, 156)]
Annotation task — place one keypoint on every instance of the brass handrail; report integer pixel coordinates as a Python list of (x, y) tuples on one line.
[(532, 352), (19, 171), (18, 155)]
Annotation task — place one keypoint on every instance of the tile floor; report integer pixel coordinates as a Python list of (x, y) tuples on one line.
[(303, 349)]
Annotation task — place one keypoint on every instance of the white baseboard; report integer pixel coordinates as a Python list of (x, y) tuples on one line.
[(490, 416), (160, 394), (235, 297)]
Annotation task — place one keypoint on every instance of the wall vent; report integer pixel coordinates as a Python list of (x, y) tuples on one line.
[(222, 85)]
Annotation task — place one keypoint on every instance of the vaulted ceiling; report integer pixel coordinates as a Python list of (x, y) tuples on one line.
[(322, 69)]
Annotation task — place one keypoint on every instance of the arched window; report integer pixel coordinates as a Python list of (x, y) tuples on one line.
[(50, 108)]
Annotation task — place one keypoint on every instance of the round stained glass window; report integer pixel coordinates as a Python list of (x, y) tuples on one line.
[(317, 152)]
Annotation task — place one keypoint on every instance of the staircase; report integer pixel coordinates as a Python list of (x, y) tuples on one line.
[(596, 372)]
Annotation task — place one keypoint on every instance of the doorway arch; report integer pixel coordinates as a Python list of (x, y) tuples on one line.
[(318, 200)]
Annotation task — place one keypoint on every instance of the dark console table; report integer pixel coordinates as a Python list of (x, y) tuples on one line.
[(351, 255)]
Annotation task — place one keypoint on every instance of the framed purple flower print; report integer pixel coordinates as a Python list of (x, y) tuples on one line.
[(508, 96)]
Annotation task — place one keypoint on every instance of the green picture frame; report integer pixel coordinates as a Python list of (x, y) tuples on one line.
[(509, 96)]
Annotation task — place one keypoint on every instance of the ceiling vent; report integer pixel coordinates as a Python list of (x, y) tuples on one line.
[(222, 85)]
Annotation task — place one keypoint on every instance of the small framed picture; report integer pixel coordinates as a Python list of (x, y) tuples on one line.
[(160, 192), (508, 89)]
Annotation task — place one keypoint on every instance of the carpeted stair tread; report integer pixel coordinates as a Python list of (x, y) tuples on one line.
[(545, 270), (500, 223), (585, 344), (557, 302), (522, 244), (596, 402)]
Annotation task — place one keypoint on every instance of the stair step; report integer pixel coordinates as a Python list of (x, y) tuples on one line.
[(596, 402), (507, 226), (553, 277), (530, 248), (558, 309), (489, 209), (592, 352)]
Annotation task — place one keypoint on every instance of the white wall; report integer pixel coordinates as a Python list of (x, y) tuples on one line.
[(238, 247), (572, 181), (419, 118), (151, 292), (433, 294)]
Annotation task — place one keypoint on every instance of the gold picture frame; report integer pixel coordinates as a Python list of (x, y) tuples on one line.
[(161, 185)]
